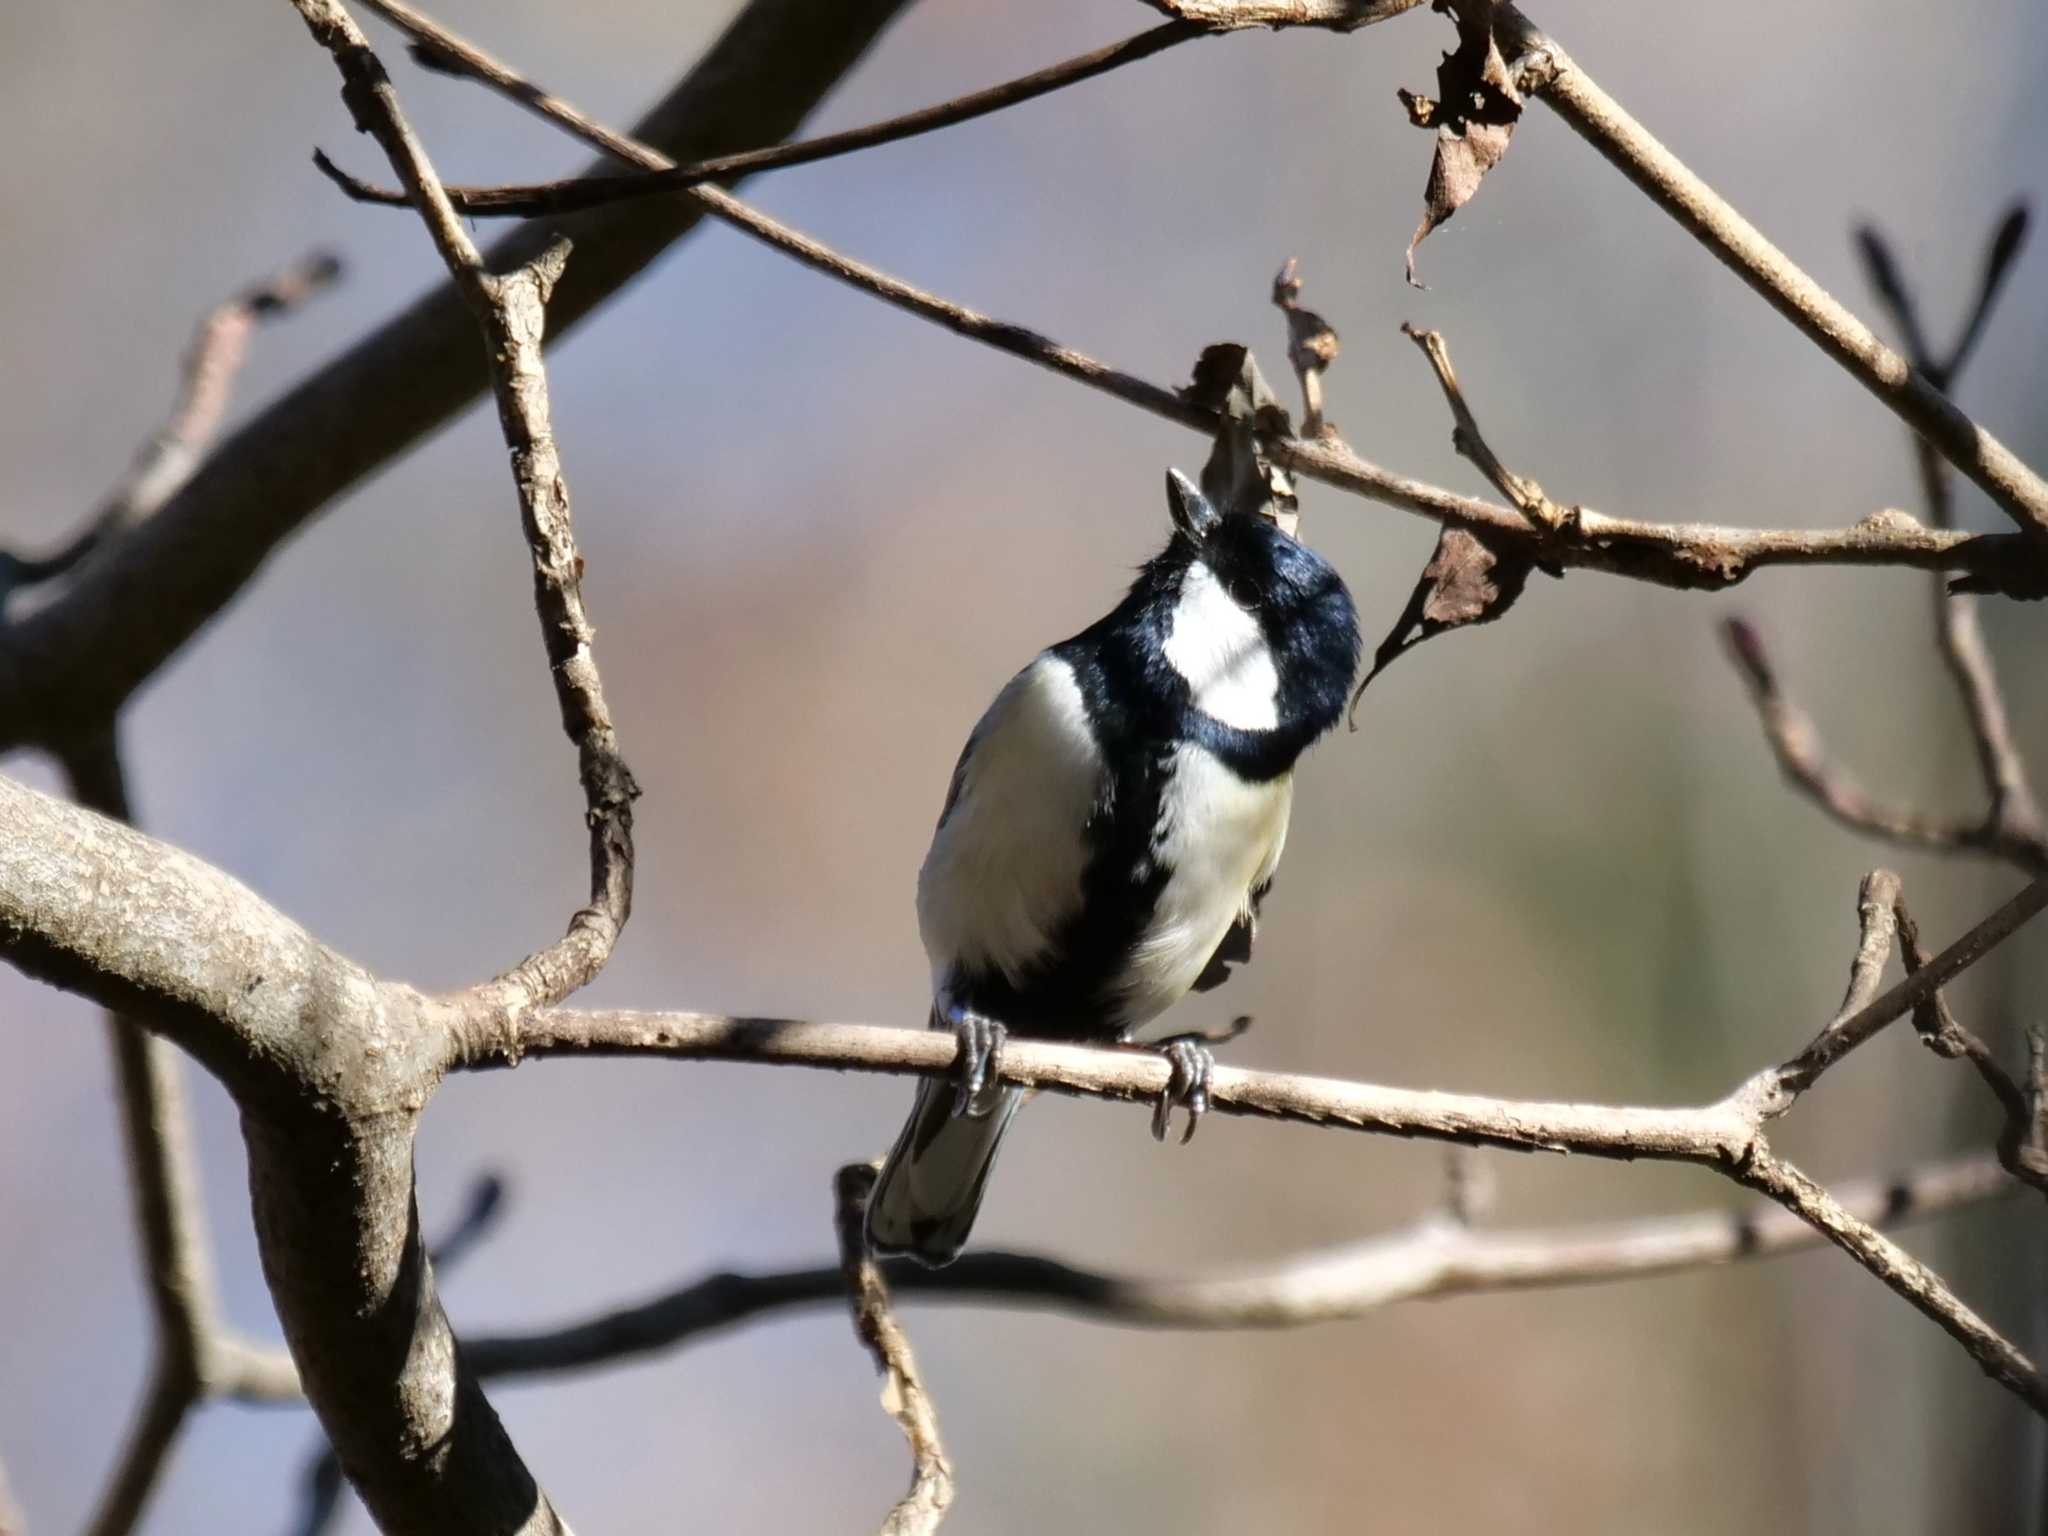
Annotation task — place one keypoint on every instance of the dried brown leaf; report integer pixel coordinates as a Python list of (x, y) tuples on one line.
[(1239, 476), (1471, 578), (1474, 116)]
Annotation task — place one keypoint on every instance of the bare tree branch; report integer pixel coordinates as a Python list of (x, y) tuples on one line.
[(88, 905), (1544, 70), (195, 1354), (512, 312), (1682, 555), (2023, 1142), (1857, 1023), (1796, 744), (1435, 1257), (904, 1398), (1596, 117), (168, 457), (2011, 828), (140, 598), (2014, 813), (581, 192), (1545, 515)]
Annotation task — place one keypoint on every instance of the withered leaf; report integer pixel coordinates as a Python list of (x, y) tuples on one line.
[(1474, 116), (1238, 475), (1471, 578)]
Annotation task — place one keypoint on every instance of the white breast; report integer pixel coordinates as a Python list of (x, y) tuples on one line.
[(1006, 863), (1218, 647), (1223, 836)]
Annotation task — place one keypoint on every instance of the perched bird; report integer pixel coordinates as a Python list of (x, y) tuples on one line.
[(1112, 825)]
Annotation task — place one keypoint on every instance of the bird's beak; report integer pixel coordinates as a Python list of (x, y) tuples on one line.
[(1192, 512)]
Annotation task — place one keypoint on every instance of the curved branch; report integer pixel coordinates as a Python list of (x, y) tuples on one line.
[(1436, 1257)]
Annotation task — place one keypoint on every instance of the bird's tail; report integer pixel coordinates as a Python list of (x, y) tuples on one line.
[(924, 1203)]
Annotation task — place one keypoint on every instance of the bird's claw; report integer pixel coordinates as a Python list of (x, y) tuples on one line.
[(977, 1086), (1194, 1068), (1188, 1087)]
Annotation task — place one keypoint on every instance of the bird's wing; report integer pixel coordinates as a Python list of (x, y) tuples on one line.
[(1007, 859)]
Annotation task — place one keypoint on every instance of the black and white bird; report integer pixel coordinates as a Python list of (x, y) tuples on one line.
[(1112, 825)]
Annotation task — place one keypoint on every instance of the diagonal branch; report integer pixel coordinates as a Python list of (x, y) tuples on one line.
[(1551, 75), (1684, 556), (1544, 70), (577, 193)]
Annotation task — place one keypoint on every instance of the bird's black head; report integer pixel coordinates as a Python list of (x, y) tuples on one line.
[(1299, 601)]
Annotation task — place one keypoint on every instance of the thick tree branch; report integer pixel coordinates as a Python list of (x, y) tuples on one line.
[(1679, 555), (924, 1505), (553, 198), (135, 602)]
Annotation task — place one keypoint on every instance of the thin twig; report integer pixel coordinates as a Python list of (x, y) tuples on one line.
[(904, 1398), (1796, 744), (1845, 1032), (2024, 1132), (167, 458), (512, 312), (1877, 907), (1545, 515), (2014, 813), (1312, 347), (578, 193), (1683, 555), (1550, 74)]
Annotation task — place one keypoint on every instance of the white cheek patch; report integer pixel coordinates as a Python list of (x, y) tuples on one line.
[(1005, 866), (1219, 649)]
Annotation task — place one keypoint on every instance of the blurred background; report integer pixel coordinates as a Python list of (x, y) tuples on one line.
[(1554, 860)]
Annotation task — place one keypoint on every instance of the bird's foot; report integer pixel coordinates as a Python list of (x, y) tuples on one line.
[(977, 1086), (1194, 1066)]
